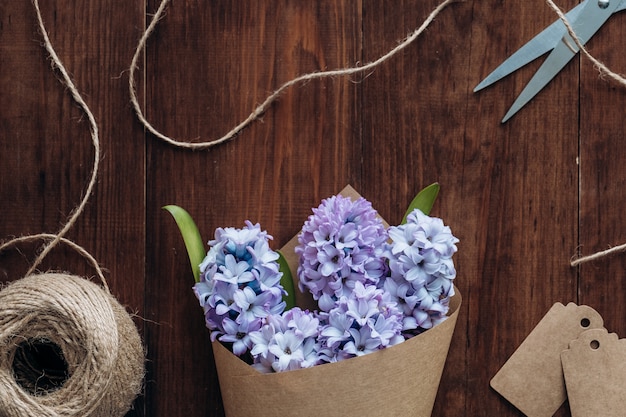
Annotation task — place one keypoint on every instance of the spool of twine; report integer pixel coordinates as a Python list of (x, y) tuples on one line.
[(67, 348)]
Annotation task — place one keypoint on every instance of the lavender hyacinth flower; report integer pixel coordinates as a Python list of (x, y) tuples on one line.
[(364, 321), (339, 246), (239, 285), (421, 270), (286, 342)]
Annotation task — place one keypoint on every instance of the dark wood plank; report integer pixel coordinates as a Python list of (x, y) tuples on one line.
[(46, 148), (506, 189), (40, 128), (603, 175), (209, 65), (532, 193)]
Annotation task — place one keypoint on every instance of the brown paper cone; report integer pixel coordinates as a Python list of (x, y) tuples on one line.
[(401, 380)]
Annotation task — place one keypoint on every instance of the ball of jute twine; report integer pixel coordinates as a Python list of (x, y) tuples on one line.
[(67, 348)]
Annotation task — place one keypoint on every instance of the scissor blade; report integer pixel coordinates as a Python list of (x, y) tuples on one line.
[(555, 62), (533, 49), (591, 18)]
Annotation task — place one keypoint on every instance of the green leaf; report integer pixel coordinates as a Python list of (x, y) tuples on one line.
[(424, 200), (191, 237), (287, 282)]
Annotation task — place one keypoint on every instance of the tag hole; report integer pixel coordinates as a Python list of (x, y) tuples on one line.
[(594, 344), (585, 322)]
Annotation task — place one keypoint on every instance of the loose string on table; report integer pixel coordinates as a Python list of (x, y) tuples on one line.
[(601, 67), (598, 255), (52, 237), (262, 108), (59, 237)]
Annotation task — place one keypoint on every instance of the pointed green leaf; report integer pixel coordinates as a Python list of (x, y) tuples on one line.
[(191, 237), (424, 200), (287, 282)]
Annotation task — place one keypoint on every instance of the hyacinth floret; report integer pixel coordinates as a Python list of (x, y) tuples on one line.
[(239, 285), (338, 246), (421, 270), (286, 342), (364, 321)]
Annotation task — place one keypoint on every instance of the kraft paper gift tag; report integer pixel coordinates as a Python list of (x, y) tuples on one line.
[(532, 378), (594, 368)]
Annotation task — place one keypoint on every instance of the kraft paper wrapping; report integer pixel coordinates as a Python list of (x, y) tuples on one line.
[(401, 380)]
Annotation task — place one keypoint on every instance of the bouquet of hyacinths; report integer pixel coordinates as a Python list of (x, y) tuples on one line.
[(366, 291)]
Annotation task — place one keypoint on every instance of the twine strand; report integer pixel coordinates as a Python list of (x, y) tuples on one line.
[(51, 237), (601, 67), (598, 255), (262, 108), (55, 239)]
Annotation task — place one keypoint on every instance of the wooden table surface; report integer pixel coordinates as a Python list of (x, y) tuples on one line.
[(523, 197)]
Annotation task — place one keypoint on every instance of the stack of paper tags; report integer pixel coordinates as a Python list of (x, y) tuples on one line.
[(568, 355)]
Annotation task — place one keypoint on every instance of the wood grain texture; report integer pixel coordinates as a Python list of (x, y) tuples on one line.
[(523, 197), (603, 176)]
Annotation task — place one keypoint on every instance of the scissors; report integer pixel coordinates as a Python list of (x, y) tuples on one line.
[(586, 19)]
